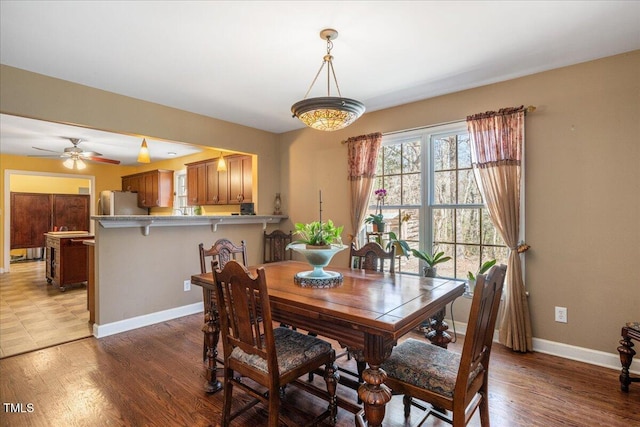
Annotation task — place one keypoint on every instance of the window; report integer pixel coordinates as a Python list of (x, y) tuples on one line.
[(433, 201)]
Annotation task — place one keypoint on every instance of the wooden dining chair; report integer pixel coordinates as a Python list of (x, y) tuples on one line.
[(448, 380), (275, 246), (222, 251), (371, 256), (254, 349)]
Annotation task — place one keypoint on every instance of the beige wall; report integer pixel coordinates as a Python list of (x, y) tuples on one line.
[(582, 176)]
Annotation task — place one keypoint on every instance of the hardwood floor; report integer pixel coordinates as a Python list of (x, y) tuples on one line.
[(34, 314), (153, 376)]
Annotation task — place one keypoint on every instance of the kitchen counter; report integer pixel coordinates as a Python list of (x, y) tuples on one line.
[(148, 221), (66, 257)]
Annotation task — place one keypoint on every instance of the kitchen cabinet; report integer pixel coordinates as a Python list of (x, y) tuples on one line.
[(30, 219), (205, 184), (66, 258), (33, 214), (240, 179), (154, 188)]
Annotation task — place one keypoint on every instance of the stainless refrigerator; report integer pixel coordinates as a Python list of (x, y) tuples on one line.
[(119, 203)]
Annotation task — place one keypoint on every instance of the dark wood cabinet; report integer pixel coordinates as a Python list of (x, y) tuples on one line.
[(196, 184), (154, 188), (33, 214), (67, 258), (207, 186), (30, 219), (216, 186)]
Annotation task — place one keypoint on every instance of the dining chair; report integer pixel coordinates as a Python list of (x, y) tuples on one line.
[(275, 246), (372, 256), (448, 380), (254, 349), (222, 251)]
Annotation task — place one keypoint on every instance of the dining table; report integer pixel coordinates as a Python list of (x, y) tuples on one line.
[(367, 312)]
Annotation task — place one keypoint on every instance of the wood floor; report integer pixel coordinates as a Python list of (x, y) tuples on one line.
[(153, 376), (34, 314)]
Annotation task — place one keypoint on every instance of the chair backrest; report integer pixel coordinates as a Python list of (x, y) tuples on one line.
[(222, 251), (245, 315), (372, 257), (275, 246), (482, 320)]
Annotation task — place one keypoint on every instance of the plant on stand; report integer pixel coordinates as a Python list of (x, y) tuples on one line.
[(471, 279), (318, 235), (377, 219), (431, 260)]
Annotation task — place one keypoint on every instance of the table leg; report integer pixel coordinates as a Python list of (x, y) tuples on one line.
[(438, 335), (212, 336), (626, 356), (373, 392)]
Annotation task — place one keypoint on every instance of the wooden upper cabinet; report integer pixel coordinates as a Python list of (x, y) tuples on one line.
[(154, 188), (216, 184), (196, 184), (240, 178)]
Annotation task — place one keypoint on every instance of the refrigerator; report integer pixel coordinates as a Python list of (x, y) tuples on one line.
[(119, 203)]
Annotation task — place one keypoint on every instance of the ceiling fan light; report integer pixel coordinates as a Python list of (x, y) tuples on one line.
[(68, 163), (79, 164), (143, 155)]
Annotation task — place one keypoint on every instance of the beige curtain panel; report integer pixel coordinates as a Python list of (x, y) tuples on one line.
[(496, 147), (363, 155)]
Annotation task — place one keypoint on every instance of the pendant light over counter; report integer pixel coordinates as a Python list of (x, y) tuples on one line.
[(143, 155), (327, 113), (222, 164)]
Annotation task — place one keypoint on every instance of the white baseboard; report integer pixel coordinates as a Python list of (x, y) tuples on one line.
[(580, 354), (101, 331)]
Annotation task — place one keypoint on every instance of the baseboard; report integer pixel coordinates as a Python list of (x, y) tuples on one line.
[(579, 354), (101, 331)]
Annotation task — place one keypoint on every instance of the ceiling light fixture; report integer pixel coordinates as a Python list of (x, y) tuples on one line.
[(222, 165), (327, 113), (143, 155), (74, 162)]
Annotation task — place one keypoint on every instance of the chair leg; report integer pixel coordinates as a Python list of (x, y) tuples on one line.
[(274, 406), (626, 357), (331, 377), (228, 397), (406, 400), (484, 409)]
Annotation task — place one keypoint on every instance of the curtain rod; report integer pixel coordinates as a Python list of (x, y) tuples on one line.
[(527, 110)]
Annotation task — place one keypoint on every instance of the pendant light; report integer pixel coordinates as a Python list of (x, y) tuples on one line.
[(327, 113), (222, 165), (143, 155)]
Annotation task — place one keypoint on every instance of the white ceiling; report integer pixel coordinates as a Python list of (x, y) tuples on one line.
[(247, 62)]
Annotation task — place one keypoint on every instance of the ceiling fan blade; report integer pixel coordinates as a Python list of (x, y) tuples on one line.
[(103, 160), (88, 154), (45, 155), (44, 149)]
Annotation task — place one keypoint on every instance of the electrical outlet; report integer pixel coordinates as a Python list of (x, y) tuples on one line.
[(187, 285), (561, 314)]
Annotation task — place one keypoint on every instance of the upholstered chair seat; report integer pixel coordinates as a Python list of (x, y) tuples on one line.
[(426, 366)]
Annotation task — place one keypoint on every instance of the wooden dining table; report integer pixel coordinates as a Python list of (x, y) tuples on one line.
[(368, 312)]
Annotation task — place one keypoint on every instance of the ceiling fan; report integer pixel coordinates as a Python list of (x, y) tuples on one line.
[(75, 155)]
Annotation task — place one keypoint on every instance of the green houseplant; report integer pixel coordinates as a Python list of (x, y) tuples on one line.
[(377, 220), (431, 260), (402, 247), (471, 279), (317, 235)]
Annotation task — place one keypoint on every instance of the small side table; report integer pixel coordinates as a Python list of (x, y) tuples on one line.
[(630, 331)]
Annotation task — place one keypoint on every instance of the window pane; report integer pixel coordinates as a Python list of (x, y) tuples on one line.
[(467, 259), (468, 226), (444, 188), (443, 225), (464, 152), (490, 235), (444, 153), (468, 192), (392, 159), (500, 254), (394, 190), (445, 269), (410, 229), (411, 189), (411, 157)]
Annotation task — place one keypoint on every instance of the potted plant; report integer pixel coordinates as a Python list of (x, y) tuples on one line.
[(377, 221), (402, 247), (431, 260), (471, 279), (318, 235)]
